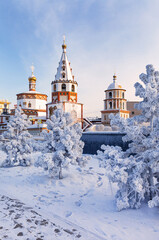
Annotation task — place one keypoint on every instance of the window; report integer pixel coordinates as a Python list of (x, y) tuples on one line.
[(51, 110), (105, 117), (132, 113), (123, 95), (54, 87), (110, 94), (73, 88), (29, 105), (120, 105), (114, 105), (123, 105), (110, 105), (63, 75), (63, 87)]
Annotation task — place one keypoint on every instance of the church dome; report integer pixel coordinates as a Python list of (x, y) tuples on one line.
[(114, 84), (32, 78)]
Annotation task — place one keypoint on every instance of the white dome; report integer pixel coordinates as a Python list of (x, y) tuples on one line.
[(114, 84)]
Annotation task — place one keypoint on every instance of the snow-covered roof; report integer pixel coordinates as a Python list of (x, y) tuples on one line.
[(31, 92), (64, 68), (114, 84)]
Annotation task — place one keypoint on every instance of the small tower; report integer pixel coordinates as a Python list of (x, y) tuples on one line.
[(32, 80), (114, 102), (32, 102), (64, 89)]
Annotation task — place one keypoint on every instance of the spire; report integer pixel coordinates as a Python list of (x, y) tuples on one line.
[(64, 46), (32, 70), (64, 71), (114, 77)]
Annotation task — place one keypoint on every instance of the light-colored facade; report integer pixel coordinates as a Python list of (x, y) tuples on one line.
[(114, 102), (32, 102), (64, 90), (132, 109)]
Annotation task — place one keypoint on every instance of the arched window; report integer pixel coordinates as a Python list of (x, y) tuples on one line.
[(63, 87), (73, 88), (123, 95), (29, 105), (63, 75), (54, 87), (110, 94), (110, 105), (51, 110)]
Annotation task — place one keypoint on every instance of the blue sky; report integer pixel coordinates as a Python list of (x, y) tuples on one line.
[(103, 37)]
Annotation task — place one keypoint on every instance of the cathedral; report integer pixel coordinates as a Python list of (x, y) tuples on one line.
[(64, 90), (114, 102)]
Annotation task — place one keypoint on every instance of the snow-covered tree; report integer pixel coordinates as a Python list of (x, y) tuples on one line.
[(17, 142), (121, 169), (142, 134), (62, 145)]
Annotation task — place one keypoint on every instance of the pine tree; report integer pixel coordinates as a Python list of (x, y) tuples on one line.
[(62, 145), (17, 140), (142, 156)]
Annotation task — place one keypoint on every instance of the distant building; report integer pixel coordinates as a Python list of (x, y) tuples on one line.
[(64, 90), (4, 118), (114, 102), (131, 108), (32, 102), (4, 104)]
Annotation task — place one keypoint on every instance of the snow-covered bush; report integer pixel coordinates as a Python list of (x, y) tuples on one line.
[(62, 145), (17, 142), (142, 133)]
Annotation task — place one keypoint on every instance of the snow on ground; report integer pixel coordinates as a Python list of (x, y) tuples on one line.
[(18, 220), (83, 199)]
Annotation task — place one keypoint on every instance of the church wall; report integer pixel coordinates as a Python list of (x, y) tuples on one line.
[(35, 103), (69, 107)]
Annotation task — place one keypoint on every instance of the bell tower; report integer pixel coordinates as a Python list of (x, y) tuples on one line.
[(114, 102), (64, 89)]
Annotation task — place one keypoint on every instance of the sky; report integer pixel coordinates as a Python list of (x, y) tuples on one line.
[(103, 37)]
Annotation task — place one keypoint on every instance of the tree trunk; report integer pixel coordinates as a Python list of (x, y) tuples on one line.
[(151, 183), (60, 173)]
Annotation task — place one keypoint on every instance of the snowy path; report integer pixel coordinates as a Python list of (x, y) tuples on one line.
[(17, 221)]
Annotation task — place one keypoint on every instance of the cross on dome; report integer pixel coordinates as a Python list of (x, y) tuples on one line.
[(32, 69), (114, 77), (64, 46)]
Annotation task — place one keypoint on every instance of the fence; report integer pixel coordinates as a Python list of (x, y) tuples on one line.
[(94, 140)]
